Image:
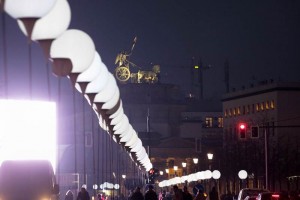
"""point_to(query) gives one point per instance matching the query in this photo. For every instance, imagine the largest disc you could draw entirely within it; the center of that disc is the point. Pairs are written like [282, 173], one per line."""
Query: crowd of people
[176, 194]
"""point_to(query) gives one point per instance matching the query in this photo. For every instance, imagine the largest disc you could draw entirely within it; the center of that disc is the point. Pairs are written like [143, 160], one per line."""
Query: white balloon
[117, 119]
[28, 8]
[108, 91]
[120, 109]
[92, 71]
[53, 24]
[99, 82]
[75, 45]
[122, 124]
[113, 101]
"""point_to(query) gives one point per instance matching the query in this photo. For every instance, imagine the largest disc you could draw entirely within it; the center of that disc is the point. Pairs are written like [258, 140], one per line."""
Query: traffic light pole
[266, 158]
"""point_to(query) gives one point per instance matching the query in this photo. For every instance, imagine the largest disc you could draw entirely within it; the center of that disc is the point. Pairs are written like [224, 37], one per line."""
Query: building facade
[269, 147]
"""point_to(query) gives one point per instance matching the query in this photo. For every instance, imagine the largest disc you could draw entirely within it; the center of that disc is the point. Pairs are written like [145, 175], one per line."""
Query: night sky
[260, 39]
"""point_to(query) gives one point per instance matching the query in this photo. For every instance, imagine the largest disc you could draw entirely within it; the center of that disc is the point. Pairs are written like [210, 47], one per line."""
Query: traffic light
[242, 130]
[254, 131]
[151, 176]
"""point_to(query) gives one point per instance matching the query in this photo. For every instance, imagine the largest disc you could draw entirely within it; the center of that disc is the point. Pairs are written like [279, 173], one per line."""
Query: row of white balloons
[202, 175]
[73, 54]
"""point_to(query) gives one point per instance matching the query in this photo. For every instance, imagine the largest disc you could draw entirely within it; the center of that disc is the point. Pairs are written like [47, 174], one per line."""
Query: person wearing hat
[83, 194]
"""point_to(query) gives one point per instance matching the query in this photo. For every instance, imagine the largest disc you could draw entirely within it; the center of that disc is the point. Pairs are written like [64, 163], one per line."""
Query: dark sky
[259, 38]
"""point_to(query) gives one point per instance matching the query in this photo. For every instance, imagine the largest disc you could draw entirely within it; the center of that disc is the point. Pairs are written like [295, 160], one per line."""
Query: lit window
[262, 106]
[229, 112]
[257, 107]
[239, 110]
[272, 104]
[248, 109]
[220, 122]
[267, 105]
[234, 112]
[208, 122]
[225, 113]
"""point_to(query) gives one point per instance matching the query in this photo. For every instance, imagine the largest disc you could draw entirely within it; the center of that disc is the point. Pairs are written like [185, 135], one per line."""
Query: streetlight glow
[195, 160]
[210, 156]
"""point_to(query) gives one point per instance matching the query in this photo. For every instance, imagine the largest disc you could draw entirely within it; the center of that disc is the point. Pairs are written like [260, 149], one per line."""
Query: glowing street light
[195, 160]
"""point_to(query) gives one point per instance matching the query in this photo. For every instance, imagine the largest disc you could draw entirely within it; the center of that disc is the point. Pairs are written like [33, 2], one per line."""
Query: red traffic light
[242, 126]
[242, 130]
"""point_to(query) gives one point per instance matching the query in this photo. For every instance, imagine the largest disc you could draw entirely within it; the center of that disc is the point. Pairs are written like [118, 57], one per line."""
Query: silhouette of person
[186, 194]
[83, 194]
[137, 195]
[151, 194]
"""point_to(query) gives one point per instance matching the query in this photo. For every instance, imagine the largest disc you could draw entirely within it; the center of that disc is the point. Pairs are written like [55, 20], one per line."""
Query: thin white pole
[266, 158]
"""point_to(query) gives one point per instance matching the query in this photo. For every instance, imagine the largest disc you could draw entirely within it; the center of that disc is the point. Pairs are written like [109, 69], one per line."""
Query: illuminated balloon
[108, 91]
[28, 8]
[99, 82]
[72, 52]
[53, 24]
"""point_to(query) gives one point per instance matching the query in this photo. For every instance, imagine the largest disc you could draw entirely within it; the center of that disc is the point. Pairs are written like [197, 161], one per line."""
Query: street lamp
[195, 160]
[183, 166]
[175, 169]
[123, 186]
[242, 175]
[209, 157]
[161, 173]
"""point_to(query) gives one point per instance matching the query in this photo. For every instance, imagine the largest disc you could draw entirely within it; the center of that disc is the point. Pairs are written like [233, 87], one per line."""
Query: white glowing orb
[27, 130]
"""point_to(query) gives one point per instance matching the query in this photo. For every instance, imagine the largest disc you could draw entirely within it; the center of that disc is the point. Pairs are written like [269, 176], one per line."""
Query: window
[238, 110]
[208, 122]
[220, 122]
[225, 113]
[261, 106]
[267, 105]
[248, 109]
[272, 104]
[257, 107]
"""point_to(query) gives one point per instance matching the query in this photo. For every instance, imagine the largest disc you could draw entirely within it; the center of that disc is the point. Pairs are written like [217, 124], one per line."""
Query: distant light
[210, 156]
[195, 160]
[216, 174]
[196, 67]
[27, 130]
[183, 164]
[161, 173]
[175, 168]
[242, 126]
[242, 174]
